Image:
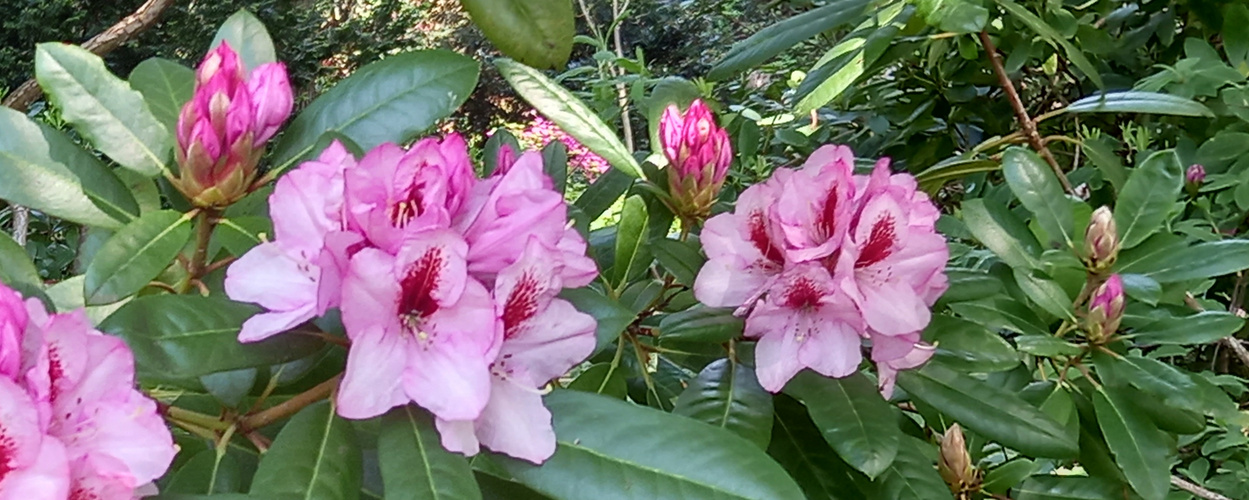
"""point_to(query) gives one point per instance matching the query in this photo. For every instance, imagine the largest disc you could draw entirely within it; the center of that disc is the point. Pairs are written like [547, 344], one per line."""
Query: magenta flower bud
[699, 152]
[1106, 309]
[1194, 178]
[223, 129]
[1101, 241]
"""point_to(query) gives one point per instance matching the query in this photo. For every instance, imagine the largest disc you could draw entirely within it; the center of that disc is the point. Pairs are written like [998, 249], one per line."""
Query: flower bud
[223, 129]
[954, 463]
[699, 153]
[1194, 178]
[1101, 241]
[1106, 309]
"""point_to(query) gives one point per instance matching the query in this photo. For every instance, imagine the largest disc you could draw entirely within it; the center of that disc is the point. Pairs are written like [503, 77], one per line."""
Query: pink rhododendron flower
[72, 424]
[699, 154]
[819, 259]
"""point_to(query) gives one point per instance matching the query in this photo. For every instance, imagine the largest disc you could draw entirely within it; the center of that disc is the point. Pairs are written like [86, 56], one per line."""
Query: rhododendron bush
[339, 302]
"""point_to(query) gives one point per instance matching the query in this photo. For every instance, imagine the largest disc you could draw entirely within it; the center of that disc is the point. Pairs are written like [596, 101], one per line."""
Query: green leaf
[555, 164]
[1101, 151]
[315, 455]
[603, 193]
[955, 16]
[227, 496]
[912, 476]
[572, 115]
[392, 100]
[1200, 261]
[1139, 102]
[612, 317]
[248, 37]
[970, 284]
[1034, 183]
[1002, 478]
[681, 259]
[414, 464]
[779, 37]
[166, 86]
[932, 178]
[726, 394]
[968, 346]
[207, 473]
[1003, 233]
[1201, 328]
[1142, 288]
[846, 62]
[102, 107]
[1147, 197]
[632, 254]
[538, 34]
[701, 324]
[1142, 451]
[799, 447]
[99, 182]
[16, 268]
[604, 443]
[853, 418]
[1054, 38]
[33, 177]
[1045, 292]
[240, 234]
[1046, 345]
[187, 336]
[990, 411]
[490, 152]
[135, 255]
[602, 378]
[1003, 313]
[1047, 487]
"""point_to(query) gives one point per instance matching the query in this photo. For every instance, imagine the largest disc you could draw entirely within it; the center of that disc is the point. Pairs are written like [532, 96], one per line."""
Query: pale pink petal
[443, 249]
[721, 284]
[516, 423]
[335, 263]
[776, 355]
[99, 477]
[832, 349]
[458, 436]
[271, 278]
[264, 325]
[370, 302]
[130, 432]
[306, 203]
[372, 383]
[552, 342]
[893, 308]
[13, 319]
[449, 379]
[579, 270]
[45, 477]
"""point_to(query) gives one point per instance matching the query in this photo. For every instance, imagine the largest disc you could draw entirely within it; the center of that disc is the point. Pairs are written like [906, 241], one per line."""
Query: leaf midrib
[316, 465]
[655, 471]
[134, 256]
[420, 444]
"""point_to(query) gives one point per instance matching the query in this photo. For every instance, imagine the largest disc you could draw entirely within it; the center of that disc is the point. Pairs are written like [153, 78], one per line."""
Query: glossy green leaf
[1034, 183]
[572, 115]
[1142, 288]
[633, 256]
[799, 447]
[1147, 197]
[392, 100]
[240, 234]
[1003, 313]
[912, 476]
[969, 346]
[538, 34]
[16, 268]
[853, 418]
[1045, 292]
[1140, 449]
[1055, 38]
[102, 107]
[186, 336]
[604, 443]
[727, 395]
[34, 178]
[315, 455]
[1002, 232]
[970, 284]
[99, 182]
[1200, 261]
[248, 37]
[206, 473]
[956, 16]
[612, 317]
[227, 496]
[682, 259]
[1139, 102]
[990, 411]
[414, 464]
[602, 378]
[166, 86]
[603, 193]
[490, 152]
[1201, 328]
[1047, 487]
[135, 255]
[701, 324]
[1046, 345]
[848, 60]
[555, 164]
[779, 37]
[1101, 152]
[1002, 478]
[932, 178]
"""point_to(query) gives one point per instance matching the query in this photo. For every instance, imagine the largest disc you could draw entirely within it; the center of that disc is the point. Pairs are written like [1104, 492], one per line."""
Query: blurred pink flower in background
[539, 132]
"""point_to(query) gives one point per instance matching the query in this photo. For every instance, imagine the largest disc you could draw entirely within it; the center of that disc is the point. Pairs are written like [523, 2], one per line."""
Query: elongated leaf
[849, 60]
[970, 284]
[135, 255]
[555, 164]
[969, 346]
[16, 269]
[727, 395]
[604, 443]
[414, 464]
[538, 34]
[1034, 183]
[1201, 328]
[1047, 487]
[604, 192]
[853, 418]
[99, 182]
[1147, 197]
[1045, 292]
[912, 475]
[1139, 102]
[937, 175]
[315, 455]
[1140, 448]
[1055, 38]
[633, 257]
[33, 178]
[166, 86]
[206, 473]
[612, 317]
[1003, 313]
[779, 37]
[701, 324]
[102, 107]
[572, 115]
[679, 258]
[391, 100]
[248, 37]
[1203, 260]
[1004, 234]
[799, 447]
[227, 496]
[990, 411]
[186, 336]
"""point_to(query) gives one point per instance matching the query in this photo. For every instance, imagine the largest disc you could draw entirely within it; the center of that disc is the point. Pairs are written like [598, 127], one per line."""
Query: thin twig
[621, 90]
[1195, 490]
[290, 406]
[1230, 341]
[1026, 123]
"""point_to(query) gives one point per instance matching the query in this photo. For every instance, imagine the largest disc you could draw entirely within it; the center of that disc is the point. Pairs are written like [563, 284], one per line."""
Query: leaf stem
[290, 406]
[205, 221]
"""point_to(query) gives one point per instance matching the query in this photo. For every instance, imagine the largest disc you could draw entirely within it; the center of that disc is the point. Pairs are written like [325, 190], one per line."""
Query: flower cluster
[447, 286]
[820, 258]
[223, 129]
[72, 425]
[699, 154]
[540, 131]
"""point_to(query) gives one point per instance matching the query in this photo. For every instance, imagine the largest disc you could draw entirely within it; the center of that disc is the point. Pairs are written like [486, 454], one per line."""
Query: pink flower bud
[1101, 241]
[222, 130]
[699, 152]
[1194, 178]
[1106, 309]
